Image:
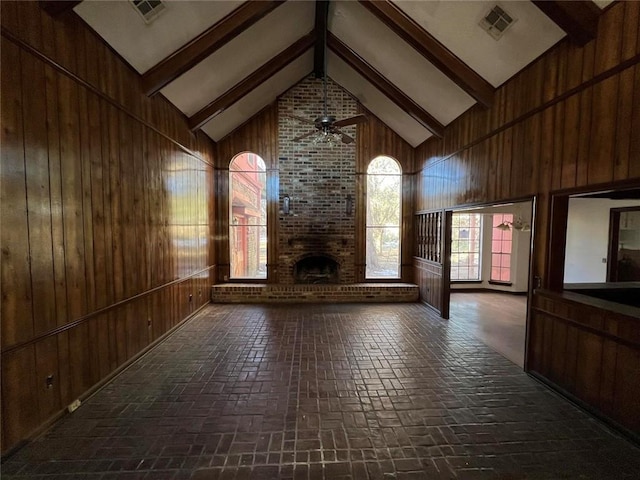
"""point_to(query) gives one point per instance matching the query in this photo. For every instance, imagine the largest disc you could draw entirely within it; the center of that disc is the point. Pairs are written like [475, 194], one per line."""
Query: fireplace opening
[316, 269]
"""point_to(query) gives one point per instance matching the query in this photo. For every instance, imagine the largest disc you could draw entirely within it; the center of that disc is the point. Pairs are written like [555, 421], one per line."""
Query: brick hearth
[358, 292]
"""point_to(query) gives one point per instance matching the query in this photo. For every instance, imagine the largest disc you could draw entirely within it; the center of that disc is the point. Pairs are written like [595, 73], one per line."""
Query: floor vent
[497, 22]
[149, 9]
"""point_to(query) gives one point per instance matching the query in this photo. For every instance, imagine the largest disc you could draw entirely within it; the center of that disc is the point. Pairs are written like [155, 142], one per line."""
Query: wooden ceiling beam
[431, 49]
[57, 7]
[189, 55]
[245, 86]
[321, 26]
[392, 92]
[578, 18]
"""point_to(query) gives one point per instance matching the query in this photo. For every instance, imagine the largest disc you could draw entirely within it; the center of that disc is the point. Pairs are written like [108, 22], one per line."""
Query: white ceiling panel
[144, 45]
[398, 62]
[259, 98]
[456, 25]
[603, 3]
[240, 57]
[376, 102]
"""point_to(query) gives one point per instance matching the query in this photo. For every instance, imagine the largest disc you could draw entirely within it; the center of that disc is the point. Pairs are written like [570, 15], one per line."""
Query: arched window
[248, 216]
[384, 194]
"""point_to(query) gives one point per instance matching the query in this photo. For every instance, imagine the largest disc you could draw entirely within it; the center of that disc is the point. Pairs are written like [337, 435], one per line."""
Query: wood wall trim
[242, 88]
[430, 48]
[394, 94]
[89, 316]
[587, 328]
[205, 44]
[631, 62]
[41, 56]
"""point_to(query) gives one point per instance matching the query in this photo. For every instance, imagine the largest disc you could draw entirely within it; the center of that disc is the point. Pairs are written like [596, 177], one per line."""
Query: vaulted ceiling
[416, 65]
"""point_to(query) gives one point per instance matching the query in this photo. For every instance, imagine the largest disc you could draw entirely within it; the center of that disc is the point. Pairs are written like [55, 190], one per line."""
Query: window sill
[502, 284]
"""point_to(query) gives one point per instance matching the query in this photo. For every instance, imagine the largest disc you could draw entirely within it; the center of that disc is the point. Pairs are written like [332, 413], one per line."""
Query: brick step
[352, 293]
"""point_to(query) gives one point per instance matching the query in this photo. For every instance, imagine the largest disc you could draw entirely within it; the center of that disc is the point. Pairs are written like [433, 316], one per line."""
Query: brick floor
[325, 391]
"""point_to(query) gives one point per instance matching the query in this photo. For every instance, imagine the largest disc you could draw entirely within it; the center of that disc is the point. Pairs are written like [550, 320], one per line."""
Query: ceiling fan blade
[295, 117]
[347, 139]
[360, 118]
[300, 137]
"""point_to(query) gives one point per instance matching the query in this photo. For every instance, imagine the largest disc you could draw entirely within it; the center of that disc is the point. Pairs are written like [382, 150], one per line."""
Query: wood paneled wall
[106, 202]
[593, 354]
[570, 119]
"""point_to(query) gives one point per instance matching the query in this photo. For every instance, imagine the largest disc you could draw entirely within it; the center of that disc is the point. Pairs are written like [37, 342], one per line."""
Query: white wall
[588, 238]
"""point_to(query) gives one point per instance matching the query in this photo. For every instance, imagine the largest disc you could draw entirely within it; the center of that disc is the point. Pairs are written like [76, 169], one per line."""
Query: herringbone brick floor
[385, 391]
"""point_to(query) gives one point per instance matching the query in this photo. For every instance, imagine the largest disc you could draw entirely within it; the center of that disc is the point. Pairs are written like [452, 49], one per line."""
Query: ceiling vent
[497, 21]
[149, 9]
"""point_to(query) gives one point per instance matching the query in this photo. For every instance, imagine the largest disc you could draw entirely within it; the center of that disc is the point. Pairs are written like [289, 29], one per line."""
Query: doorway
[490, 257]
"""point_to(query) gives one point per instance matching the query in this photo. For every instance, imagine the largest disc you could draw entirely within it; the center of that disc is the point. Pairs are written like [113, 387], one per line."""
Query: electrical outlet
[73, 406]
[226, 277]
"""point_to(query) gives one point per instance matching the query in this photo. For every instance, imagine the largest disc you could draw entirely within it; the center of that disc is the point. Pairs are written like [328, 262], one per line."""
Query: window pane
[383, 252]
[501, 248]
[248, 251]
[465, 246]
[247, 217]
[384, 194]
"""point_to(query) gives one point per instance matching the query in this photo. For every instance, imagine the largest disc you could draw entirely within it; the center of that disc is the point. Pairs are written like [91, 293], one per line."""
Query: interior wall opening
[489, 274]
[602, 246]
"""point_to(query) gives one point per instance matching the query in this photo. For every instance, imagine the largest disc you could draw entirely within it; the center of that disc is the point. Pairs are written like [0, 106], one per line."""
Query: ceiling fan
[327, 128]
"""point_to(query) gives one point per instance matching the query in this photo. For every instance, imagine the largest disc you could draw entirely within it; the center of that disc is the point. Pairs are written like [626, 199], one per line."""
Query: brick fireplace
[316, 238]
[317, 179]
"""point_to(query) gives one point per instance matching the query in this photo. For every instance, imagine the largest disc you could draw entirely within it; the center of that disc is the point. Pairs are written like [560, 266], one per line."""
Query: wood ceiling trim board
[245, 86]
[387, 88]
[322, 15]
[430, 48]
[189, 55]
[578, 18]
[55, 7]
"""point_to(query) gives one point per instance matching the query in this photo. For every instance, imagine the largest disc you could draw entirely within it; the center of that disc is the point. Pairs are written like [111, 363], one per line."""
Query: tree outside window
[384, 195]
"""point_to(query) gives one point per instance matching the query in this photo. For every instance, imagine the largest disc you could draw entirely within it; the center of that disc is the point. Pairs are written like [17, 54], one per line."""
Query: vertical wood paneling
[19, 394]
[591, 354]
[634, 149]
[627, 387]
[89, 191]
[623, 126]
[73, 219]
[589, 136]
[584, 137]
[603, 131]
[38, 194]
[16, 306]
[49, 400]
